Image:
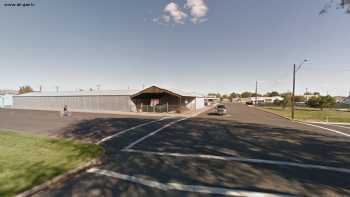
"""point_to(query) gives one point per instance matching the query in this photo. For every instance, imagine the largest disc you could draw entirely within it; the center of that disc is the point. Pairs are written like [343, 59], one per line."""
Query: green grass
[311, 114]
[26, 161]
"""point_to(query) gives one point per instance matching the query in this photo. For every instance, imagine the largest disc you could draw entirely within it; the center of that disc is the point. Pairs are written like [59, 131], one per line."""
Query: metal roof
[81, 93]
[189, 94]
[102, 93]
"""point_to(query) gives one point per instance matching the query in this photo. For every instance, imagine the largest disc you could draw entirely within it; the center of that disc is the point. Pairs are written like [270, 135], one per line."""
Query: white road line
[185, 188]
[328, 129]
[247, 160]
[129, 129]
[340, 126]
[153, 133]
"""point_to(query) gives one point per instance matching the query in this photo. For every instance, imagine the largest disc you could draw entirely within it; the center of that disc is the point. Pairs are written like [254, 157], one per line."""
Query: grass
[311, 114]
[26, 161]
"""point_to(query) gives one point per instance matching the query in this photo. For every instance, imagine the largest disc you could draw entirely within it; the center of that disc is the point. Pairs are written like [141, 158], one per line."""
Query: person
[65, 110]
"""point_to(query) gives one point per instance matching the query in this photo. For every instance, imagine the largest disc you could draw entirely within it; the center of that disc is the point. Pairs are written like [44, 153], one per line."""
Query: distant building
[152, 99]
[6, 100]
[308, 95]
[10, 92]
[339, 99]
[260, 99]
[210, 99]
[347, 100]
[264, 100]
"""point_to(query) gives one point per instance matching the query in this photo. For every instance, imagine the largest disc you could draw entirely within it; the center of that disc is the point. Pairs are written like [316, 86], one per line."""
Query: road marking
[182, 187]
[129, 129]
[153, 133]
[340, 126]
[325, 128]
[240, 159]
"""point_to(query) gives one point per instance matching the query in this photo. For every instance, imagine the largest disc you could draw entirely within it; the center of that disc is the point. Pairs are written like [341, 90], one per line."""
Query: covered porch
[155, 99]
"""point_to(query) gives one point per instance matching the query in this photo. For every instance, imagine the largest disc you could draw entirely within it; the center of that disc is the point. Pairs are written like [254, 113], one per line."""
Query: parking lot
[247, 152]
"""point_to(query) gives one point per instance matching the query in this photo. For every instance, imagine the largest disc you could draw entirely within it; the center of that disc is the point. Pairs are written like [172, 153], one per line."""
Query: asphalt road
[246, 150]
[89, 127]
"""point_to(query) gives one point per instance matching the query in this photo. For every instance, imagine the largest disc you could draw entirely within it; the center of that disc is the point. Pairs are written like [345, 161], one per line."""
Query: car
[221, 109]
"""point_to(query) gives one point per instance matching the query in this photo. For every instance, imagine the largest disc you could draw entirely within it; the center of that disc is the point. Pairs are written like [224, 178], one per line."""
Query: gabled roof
[158, 90]
[81, 93]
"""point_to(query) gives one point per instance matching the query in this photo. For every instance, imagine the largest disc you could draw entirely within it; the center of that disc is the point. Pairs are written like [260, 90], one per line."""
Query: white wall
[200, 103]
[76, 103]
[6, 100]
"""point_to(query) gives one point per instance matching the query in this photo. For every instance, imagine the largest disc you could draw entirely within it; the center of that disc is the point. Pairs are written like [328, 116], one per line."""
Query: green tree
[25, 89]
[273, 93]
[234, 95]
[299, 98]
[327, 102]
[246, 94]
[286, 101]
[313, 102]
[321, 102]
[254, 95]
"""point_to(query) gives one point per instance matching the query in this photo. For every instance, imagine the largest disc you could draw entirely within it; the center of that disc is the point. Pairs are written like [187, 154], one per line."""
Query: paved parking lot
[90, 127]
[245, 153]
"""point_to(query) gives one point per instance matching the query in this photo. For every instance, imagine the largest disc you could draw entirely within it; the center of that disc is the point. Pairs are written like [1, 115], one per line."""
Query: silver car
[221, 110]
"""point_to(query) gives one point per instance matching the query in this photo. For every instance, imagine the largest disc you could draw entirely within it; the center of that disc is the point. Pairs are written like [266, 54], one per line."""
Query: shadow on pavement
[227, 138]
[98, 128]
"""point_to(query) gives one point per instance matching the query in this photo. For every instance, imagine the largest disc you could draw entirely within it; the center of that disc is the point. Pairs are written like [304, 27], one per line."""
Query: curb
[306, 121]
[61, 178]
[329, 123]
[274, 114]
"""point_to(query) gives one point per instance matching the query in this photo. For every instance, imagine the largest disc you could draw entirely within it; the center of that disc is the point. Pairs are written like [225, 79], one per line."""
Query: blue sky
[209, 46]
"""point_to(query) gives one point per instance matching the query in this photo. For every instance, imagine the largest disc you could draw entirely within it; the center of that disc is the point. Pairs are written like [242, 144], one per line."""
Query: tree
[234, 95]
[25, 89]
[254, 95]
[246, 94]
[321, 102]
[288, 94]
[273, 93]
[299, 98]
[338, 4]
[313, 102]
[286, 101]
[327, 102]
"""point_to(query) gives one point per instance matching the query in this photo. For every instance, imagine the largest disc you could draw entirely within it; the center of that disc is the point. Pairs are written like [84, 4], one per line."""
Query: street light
[295, 70]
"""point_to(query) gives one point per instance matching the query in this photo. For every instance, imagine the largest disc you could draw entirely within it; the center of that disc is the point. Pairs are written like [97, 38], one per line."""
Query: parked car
[221, 110]
[249, 103]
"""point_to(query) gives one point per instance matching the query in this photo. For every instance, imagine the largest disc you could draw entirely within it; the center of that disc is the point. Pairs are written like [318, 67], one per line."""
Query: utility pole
[293, 94]
[256, 93]
[295, 70]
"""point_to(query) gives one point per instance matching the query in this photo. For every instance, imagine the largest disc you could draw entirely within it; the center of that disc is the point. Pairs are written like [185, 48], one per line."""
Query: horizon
[213, 47]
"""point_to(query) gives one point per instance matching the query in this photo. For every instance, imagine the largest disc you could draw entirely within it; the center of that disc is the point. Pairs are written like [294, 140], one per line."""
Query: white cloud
[175, 12]
[172, 12]
[198, 10]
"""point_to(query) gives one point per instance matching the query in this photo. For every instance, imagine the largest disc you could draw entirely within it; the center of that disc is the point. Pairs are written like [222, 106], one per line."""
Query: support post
[293, 93]
[256, 93]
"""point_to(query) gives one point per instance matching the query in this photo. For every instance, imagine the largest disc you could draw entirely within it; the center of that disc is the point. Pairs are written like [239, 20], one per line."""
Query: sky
[192, 45]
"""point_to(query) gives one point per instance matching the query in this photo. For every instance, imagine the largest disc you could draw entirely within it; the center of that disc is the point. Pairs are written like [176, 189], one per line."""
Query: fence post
[167, 107]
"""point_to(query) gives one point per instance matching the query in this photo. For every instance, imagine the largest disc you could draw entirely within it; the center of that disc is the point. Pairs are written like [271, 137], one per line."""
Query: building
[210, 100]
[266, 100]
[152, 99]
[339, 99]
[6, 100]
[163, 100]
[347, 100]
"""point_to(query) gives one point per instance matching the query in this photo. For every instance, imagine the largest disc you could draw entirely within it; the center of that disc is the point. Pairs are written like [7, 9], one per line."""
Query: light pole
[295, 70]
